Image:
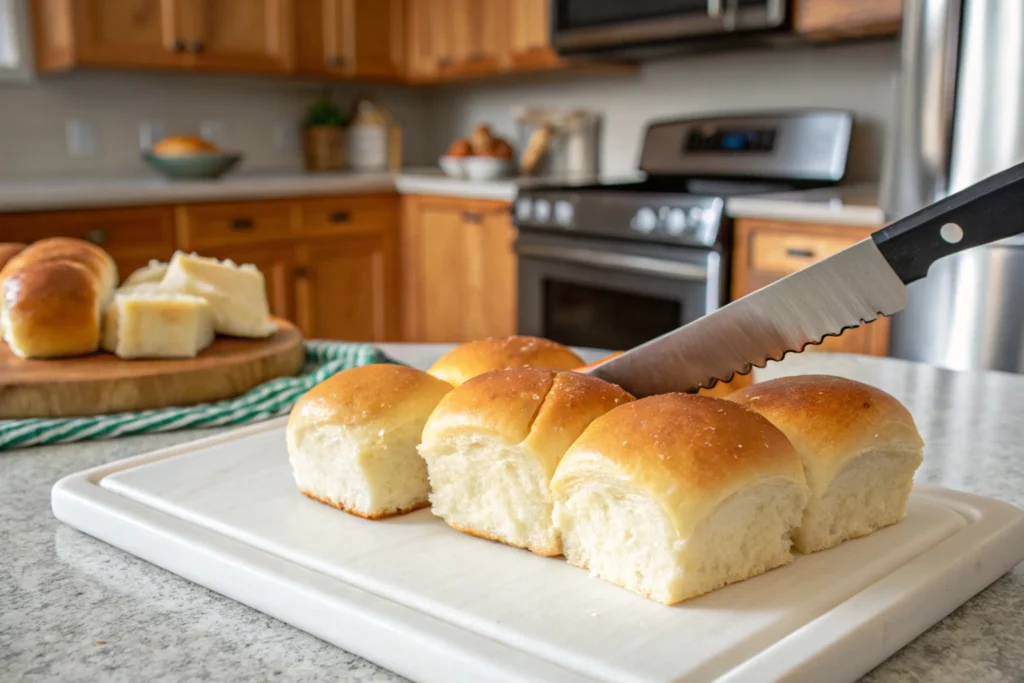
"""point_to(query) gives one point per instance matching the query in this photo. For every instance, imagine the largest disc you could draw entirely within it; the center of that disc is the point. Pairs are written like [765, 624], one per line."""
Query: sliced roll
[493, 443]
[674, 496]
[475, 358]
[352, 439]
[859, 447]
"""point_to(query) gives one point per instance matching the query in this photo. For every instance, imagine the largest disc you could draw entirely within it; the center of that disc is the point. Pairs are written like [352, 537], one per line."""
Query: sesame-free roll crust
[676, 495]
[859, 447]
[475, 358]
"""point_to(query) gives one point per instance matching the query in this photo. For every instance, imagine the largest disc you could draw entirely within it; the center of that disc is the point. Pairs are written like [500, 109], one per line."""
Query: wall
[33, 119]
[859, 77]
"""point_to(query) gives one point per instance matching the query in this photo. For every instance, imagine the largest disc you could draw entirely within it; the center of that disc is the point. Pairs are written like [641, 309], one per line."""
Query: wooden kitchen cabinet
[766, 251]
[530, 34]
[132, 236]
[454, 39]
[351, 38]
[223, 35]
[837, 19]
[459, 269]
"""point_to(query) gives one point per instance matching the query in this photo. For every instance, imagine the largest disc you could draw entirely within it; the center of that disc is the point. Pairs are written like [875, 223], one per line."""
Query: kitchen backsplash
[259, 117]
[859, 77]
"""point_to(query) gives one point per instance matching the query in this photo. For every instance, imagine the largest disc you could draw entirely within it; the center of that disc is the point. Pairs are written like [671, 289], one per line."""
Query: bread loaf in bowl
[180, 145]
[478, 357]
[492, 444]
[352, 439]
[53, 295]
[676, 495]
[859, 447]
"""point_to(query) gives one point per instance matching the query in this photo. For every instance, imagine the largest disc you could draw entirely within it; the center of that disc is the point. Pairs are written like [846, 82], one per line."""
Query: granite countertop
[844, 205]
[76, 609]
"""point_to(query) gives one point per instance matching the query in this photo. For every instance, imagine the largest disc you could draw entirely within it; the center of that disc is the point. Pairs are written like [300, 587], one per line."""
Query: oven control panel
[669, 218]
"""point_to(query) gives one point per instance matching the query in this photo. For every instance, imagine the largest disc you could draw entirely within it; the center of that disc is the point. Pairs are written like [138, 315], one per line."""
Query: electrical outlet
[214, 131]
[286, 136]
[150, 133]
[81, 138]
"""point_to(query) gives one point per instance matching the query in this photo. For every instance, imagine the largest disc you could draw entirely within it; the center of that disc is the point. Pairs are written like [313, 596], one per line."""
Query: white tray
[436, 605]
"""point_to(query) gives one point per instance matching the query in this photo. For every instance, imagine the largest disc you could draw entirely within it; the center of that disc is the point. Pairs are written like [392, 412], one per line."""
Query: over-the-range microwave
[636, 27]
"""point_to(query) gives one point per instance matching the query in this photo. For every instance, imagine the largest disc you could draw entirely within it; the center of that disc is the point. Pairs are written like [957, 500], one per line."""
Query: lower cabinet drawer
[782, 252]
[211, 225]
[321, 216]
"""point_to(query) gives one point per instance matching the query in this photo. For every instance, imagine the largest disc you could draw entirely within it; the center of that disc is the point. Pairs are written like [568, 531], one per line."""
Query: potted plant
[323, 135]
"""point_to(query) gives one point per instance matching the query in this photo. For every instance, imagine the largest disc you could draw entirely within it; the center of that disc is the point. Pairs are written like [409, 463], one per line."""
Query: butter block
[143, 322]
[237, 294]
[152, 273]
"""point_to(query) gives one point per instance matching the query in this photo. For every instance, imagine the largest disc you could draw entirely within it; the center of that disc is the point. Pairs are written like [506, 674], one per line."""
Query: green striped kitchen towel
[267, 400]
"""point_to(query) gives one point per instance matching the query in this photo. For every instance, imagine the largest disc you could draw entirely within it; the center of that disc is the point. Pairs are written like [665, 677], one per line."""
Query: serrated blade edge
[850, 287]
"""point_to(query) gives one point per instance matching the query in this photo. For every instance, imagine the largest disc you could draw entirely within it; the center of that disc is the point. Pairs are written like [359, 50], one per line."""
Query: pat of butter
[145, 323]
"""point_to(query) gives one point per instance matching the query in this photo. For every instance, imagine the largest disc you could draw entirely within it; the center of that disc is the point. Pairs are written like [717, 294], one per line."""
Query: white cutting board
[435, 605]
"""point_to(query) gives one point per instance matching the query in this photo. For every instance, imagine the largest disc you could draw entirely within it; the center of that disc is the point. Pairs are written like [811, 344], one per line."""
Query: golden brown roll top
[689, 452]
[859, 447]
[54, 293]
[478, 357]
[492, 444]
[9, 250]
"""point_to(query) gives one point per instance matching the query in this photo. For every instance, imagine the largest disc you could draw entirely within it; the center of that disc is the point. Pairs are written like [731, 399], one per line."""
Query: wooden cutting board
[102, 383]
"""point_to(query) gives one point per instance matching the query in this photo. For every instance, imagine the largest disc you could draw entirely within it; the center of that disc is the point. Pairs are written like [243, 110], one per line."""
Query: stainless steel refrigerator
[960, 118]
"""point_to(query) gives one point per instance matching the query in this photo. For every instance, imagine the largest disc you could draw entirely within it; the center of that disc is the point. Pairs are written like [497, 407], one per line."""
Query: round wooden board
[102, 383]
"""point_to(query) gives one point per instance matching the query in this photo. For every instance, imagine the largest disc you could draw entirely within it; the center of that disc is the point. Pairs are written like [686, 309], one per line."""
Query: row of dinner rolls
[670, 496]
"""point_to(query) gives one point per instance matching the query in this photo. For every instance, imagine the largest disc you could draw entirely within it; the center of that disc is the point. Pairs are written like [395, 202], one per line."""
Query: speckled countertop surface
[75, 609]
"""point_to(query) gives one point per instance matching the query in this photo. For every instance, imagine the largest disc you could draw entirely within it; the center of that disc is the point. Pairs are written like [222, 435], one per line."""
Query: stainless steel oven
[612, 294]
[583, 26]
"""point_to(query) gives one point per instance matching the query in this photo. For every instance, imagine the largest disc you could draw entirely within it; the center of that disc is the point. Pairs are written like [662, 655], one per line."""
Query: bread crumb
[99, 642]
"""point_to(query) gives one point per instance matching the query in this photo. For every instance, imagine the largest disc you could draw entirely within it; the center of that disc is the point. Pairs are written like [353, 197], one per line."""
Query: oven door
[610, 294]
[580, 26]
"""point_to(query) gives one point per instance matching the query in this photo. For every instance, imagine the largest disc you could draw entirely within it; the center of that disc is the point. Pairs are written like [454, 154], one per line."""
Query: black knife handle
[985, 212]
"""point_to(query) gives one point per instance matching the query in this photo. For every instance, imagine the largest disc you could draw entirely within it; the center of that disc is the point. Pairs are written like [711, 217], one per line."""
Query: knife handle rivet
[951, 232]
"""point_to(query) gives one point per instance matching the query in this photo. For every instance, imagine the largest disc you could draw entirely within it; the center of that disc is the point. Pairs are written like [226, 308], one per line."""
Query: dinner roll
[859, 447]
[475, 358]
[493, 443]
[352, 439]
[676, 495]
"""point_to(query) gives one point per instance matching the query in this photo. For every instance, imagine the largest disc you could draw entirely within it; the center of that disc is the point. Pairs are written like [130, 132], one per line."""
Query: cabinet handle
[444, 61]
[340, 217]
[97, 236]
[198, 47]
[178, 45]
[472, 217]
[800, 253]
[477, 56]
[242, 224]
[335, 60]
[301, 272]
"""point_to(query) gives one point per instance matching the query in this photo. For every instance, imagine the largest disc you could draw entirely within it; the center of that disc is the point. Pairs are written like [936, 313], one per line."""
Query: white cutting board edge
[842, 644]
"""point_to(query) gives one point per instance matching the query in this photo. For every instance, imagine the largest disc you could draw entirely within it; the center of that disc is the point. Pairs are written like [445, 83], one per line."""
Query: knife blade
[845, 290]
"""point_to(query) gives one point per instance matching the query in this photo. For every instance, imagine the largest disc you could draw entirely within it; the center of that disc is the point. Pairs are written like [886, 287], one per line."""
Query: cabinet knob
[178, 45]
[335, 60]
[97, 236]
[444, 61]
[242, 224]
[340, 217]
[301, 272]
[198, 47]
[477, 56]
[472, 217]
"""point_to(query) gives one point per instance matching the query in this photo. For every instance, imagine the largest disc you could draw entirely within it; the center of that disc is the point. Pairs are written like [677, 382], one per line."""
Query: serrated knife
[851, 287]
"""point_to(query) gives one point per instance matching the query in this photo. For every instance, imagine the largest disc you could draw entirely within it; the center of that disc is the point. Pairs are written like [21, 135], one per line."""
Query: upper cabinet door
[364, 37]
[426, 37]
[241, 35]
[530, 33]
[479, 36]
[145, 33]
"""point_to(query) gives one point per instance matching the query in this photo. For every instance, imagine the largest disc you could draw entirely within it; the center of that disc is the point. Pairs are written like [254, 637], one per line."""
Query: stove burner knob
[563, 212]
[675, 223]
[542, 210]
[696, 218]
[523, 209]
[644, 221]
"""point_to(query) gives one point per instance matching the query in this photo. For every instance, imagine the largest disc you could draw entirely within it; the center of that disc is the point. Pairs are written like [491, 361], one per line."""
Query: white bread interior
[237, 294]
[493, 443]
[674, 496]
[146, 322]
[352, 439]
[859, 447]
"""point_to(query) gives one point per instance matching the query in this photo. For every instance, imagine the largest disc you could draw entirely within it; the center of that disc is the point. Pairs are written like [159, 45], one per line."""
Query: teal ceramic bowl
[199, 166]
